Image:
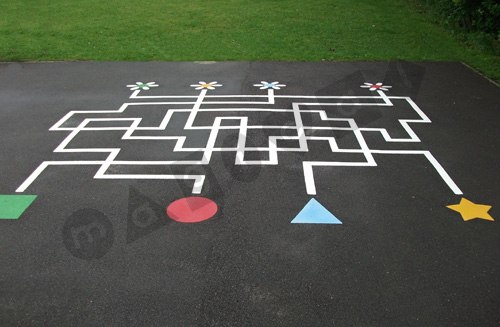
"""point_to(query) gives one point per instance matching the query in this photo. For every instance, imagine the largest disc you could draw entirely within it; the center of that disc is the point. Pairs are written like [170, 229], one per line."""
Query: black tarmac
[103, 252]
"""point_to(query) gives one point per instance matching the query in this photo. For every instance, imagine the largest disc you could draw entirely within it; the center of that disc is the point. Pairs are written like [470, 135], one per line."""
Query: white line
[309, 175]
[197, 186]
[270, 93]
[134, 96]
[34, 175]
[440, 170]
[242, 136]
[196, 107]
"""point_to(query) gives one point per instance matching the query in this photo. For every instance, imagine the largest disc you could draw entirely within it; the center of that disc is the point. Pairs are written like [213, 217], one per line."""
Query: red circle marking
[193, 209]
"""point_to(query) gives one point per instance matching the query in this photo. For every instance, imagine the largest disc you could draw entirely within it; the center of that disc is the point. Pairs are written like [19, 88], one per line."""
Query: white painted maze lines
[325, 105]
[205, 115]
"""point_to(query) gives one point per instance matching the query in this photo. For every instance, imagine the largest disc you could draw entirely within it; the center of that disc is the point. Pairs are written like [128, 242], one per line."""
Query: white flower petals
[142, 86]
[203, 85]
[376, 87]
[266, 85]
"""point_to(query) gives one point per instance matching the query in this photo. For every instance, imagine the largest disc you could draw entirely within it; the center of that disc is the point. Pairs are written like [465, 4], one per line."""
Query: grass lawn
[310, 30]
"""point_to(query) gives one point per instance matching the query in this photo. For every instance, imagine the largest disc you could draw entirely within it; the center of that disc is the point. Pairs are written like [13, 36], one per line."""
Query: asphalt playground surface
[88, 241]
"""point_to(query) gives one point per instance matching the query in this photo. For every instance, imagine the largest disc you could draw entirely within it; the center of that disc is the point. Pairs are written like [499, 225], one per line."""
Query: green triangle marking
[13, 206]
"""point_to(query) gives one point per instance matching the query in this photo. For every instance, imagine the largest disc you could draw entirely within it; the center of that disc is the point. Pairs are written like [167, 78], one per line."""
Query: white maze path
[195, 106]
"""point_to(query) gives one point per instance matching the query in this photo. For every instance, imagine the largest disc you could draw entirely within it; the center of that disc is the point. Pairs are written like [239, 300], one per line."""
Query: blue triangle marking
[315, 213]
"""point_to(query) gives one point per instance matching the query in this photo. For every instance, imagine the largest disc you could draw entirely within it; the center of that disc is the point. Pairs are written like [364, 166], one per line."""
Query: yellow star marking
[470, 210]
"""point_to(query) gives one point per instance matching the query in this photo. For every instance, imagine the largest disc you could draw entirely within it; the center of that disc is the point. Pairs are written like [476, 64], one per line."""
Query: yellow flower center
[205, 85]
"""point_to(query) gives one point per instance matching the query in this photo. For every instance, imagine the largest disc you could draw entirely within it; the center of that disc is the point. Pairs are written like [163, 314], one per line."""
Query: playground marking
[315, 213]
[193, 209]
[205, 86]
[13, 206]
[300, 106]
[142, 86]
[470, 210]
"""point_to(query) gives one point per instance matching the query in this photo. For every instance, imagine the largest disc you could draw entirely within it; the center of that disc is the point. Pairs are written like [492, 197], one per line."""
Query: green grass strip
[180, 30]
